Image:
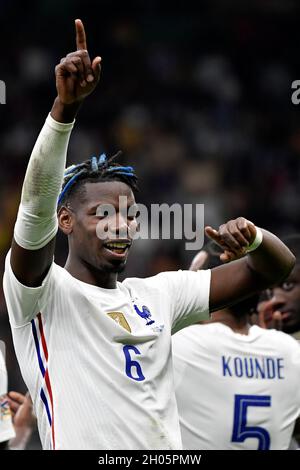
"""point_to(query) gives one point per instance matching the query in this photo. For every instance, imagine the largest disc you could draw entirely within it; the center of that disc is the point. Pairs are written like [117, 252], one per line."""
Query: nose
[119, 225]
[278, 299]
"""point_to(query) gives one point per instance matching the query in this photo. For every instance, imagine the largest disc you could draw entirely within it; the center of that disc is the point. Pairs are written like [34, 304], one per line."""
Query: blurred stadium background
[197, 95]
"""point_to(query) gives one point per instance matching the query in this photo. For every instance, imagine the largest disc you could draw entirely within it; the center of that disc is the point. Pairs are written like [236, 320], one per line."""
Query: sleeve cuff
[59, 126]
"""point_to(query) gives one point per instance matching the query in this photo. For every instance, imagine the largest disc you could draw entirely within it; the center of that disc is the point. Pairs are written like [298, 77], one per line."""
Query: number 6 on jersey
[130, 364]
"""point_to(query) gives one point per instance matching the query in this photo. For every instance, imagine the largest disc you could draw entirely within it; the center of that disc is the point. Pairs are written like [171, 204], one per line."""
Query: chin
[290, 328]
[118, 269]
[113, 267]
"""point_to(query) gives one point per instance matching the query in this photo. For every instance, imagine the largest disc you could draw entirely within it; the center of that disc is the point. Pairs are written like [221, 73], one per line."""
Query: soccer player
[285, 297]
[282, 310]
[96, 353]
[246, 380]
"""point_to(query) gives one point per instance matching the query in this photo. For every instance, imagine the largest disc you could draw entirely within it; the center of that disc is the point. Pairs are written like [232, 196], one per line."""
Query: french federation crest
[119, 318]
[145, 314]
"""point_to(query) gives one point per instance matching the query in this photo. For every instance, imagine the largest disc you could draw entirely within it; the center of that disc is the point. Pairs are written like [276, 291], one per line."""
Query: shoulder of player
[197, 340]
[166, 278]
[156, 281]
[200, 330]
[165, 284]
[59, 273]
[280, 338]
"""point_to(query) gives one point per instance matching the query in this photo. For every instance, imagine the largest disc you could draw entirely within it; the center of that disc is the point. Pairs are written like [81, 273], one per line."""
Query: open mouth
[117, 247]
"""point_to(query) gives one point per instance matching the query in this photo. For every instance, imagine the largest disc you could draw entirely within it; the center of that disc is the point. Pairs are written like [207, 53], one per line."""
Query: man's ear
[65, 220]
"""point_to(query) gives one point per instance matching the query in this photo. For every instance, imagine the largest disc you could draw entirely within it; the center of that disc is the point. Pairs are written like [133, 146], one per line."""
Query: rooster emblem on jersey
[145, 314]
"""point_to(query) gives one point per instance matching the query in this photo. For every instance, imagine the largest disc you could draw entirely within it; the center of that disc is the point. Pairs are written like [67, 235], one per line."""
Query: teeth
[117, 245]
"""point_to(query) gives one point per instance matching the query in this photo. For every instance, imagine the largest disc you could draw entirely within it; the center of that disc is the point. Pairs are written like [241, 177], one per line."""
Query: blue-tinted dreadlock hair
[95, 169]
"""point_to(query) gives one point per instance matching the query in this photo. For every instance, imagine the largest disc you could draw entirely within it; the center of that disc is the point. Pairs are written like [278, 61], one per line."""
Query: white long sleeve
[36, 222]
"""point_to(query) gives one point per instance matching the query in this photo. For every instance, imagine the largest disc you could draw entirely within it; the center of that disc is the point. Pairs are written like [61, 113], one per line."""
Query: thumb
[96, 67]
[227, 256]
[252, 230]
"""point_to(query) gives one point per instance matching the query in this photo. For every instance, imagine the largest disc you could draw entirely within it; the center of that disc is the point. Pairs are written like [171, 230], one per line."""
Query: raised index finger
[80, 36]
[213, 234]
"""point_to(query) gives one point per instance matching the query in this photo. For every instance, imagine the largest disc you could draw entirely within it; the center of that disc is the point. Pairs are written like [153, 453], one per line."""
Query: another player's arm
[269, 264]
[24, 420]
[34, 239]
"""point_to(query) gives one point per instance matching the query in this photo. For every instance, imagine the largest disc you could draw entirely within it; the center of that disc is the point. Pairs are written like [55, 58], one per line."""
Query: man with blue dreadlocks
[95, 353]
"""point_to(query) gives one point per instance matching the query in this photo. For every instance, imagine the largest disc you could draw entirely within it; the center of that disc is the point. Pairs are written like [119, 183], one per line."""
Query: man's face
[91, 225]
[286, 299]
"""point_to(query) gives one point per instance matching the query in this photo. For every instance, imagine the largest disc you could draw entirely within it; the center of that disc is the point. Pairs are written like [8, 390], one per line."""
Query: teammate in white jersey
[96, 353]
[246, 380]
[282, 310]
[284, 299]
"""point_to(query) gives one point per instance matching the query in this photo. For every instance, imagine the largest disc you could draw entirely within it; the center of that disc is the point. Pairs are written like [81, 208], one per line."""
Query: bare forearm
[65, 113]
[272, 260]
[269, 262]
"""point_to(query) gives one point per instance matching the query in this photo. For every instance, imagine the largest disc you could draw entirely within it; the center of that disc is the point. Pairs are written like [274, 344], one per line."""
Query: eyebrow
[95, 206]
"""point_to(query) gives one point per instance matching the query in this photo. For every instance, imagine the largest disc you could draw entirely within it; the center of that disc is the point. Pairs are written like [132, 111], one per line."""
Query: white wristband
[256, 242]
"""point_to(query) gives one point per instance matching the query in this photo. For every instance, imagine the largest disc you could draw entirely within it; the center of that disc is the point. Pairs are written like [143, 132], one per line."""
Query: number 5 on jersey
[241, 431]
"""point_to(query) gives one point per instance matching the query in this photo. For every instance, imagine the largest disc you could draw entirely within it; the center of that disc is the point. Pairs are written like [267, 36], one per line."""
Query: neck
[85, 273]
[237, 324]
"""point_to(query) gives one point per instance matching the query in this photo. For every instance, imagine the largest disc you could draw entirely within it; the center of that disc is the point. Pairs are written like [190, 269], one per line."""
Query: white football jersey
[97, 362]
[236, 391]
[7, 431]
